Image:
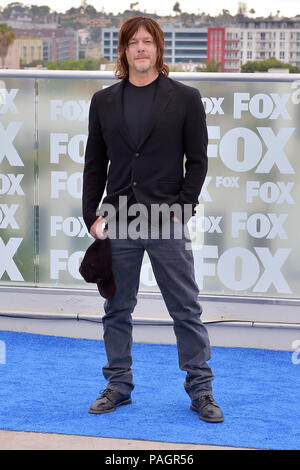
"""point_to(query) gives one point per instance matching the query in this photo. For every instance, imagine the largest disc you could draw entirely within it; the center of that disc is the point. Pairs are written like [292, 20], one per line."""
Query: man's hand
[175, 218]
[96, 229]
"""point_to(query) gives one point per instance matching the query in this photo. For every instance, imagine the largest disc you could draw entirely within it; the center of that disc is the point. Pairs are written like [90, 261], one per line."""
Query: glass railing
[245, 235]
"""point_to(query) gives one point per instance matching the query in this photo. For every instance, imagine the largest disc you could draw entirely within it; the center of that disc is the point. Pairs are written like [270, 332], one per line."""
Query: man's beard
[142, 68]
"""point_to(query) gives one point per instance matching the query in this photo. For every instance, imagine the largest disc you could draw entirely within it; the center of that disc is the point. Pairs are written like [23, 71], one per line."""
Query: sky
[165, 7]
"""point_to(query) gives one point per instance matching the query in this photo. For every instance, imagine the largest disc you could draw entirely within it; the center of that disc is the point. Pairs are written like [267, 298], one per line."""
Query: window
[282, 55]
[250, 35]
[249, 55]
[191, 36]
[282, 36]
[189, 43]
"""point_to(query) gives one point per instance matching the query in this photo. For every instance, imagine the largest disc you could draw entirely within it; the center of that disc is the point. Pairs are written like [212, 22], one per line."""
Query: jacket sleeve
[95, 168]
[195, 141]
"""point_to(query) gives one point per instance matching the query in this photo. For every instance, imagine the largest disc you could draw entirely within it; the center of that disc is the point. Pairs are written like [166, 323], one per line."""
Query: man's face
[141, 52]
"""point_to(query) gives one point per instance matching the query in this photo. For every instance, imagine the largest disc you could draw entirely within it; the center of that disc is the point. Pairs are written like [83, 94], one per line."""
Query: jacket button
[137, 154]
[134, 183]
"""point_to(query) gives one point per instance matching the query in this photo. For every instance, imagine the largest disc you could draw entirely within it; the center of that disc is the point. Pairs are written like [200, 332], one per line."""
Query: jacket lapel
[117, 115]
[162, 98]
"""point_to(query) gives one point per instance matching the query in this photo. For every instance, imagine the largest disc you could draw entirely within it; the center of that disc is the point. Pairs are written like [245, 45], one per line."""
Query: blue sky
[262, 8]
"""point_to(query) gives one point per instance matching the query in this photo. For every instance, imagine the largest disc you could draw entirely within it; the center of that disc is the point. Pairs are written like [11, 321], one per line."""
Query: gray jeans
[173, 267]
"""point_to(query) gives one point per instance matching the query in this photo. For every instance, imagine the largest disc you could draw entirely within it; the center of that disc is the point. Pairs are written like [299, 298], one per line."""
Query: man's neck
[142, 79]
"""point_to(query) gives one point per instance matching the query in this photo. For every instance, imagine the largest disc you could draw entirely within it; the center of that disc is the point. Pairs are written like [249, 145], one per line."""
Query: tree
[90, 11]
[39, 11]
[265, 65]
[7, 37]
[14, 7]
[177, 8]
[211, 66]
[72, 11]
[74, 64]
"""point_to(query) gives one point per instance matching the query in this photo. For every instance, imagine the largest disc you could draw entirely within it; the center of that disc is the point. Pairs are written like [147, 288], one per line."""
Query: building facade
[56, 44]
[183, 46]
[264, 38]
[30, 48]
[231, 46]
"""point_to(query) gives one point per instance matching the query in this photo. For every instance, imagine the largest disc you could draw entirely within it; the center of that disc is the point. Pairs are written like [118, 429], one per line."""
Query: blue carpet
[48, 383]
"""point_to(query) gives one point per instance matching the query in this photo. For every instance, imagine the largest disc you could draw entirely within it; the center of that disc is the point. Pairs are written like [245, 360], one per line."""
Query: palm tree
[213, 66]
[177, 8]
[7, 37]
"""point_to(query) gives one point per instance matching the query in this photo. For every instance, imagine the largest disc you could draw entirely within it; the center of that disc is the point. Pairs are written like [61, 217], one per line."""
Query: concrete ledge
[231, 321]
[276, 336]
[150, 305]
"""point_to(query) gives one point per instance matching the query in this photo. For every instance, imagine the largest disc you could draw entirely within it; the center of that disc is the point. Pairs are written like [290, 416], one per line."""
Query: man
[142, 127]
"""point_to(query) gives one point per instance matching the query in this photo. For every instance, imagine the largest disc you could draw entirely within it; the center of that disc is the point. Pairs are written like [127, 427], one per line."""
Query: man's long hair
[128, 29]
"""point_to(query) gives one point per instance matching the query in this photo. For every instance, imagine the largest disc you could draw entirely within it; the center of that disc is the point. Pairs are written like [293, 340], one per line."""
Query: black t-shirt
[137, 106]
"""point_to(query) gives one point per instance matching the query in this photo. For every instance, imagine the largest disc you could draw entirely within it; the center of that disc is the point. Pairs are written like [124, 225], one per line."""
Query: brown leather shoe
[208, 409]
[108, 401]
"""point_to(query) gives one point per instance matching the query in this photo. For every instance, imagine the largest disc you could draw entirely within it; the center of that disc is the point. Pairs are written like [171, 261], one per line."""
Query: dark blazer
[154, 170]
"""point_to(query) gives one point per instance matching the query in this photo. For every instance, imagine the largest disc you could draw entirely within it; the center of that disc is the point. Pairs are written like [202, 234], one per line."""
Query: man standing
[141, 128]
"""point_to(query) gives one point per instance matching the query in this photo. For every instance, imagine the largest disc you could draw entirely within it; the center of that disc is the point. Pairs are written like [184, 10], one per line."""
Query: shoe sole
[125, 402]
[216, 420]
